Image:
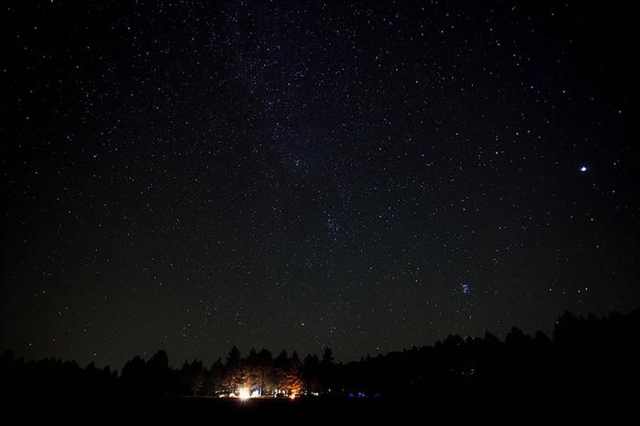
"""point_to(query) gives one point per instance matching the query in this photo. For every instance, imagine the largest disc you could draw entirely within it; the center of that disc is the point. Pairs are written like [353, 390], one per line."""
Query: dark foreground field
[516, 408]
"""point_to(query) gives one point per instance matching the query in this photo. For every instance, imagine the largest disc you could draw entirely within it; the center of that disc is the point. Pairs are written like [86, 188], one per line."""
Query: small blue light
[466, 288]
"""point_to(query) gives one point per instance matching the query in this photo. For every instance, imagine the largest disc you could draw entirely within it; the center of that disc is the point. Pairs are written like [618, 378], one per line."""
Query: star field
[368, 176]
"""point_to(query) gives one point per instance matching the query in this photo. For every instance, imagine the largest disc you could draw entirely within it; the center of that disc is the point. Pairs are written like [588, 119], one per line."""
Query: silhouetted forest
[583, 354]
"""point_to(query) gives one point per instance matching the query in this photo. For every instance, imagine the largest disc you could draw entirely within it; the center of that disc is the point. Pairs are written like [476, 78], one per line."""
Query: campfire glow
[244, 394]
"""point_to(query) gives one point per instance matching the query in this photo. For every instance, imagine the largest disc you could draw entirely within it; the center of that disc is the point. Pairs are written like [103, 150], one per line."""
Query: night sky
[368, 176]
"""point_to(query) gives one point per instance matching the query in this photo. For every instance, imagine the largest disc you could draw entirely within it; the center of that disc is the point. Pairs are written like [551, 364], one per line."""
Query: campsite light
[244, 394]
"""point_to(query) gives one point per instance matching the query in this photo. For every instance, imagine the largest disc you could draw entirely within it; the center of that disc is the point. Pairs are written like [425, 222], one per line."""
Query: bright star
[583, 169]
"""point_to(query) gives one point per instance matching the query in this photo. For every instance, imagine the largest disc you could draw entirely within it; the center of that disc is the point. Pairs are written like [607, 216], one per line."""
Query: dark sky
[190, 175]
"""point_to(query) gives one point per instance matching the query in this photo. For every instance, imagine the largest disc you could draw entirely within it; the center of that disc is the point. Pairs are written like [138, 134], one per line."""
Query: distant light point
[466, 288]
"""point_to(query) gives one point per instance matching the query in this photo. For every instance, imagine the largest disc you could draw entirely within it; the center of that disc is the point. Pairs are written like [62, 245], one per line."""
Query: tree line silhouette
[584, 354]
